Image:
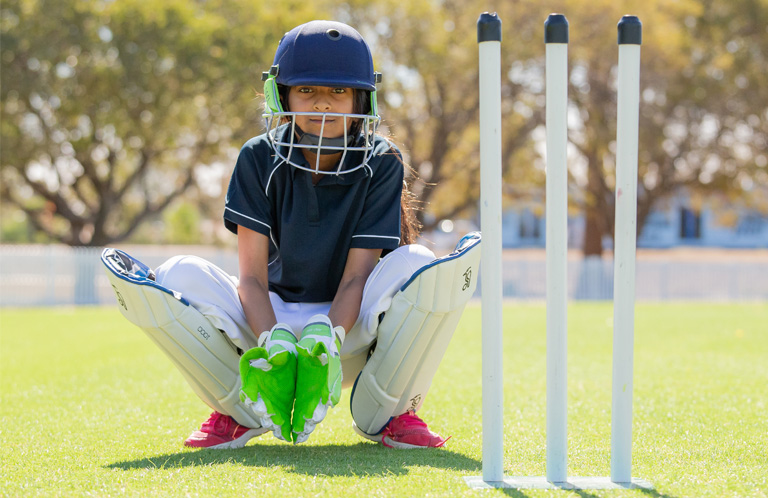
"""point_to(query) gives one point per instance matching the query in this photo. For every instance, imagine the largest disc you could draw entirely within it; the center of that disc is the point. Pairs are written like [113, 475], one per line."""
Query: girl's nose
[321, 104]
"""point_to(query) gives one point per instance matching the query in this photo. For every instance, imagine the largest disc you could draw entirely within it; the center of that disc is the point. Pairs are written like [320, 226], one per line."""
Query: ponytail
[410, 226]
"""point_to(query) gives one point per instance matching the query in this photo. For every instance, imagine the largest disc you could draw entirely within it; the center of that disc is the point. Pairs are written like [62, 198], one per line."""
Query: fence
[39, 275]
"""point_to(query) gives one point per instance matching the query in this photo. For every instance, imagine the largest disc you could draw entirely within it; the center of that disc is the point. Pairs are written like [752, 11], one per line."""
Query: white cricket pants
[214, 293]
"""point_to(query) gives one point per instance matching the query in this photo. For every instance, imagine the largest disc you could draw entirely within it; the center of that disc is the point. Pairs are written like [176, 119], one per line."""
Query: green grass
[91, 407]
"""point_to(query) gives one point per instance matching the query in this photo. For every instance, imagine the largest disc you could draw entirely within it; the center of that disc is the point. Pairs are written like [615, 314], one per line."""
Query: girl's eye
[305, 89]
[339, 90]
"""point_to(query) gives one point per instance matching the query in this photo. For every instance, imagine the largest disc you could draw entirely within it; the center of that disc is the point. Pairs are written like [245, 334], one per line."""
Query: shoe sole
[377, 438]
[235, 443]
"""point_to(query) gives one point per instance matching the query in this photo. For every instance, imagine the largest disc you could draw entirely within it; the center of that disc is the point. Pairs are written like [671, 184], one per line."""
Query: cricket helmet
[330, 54]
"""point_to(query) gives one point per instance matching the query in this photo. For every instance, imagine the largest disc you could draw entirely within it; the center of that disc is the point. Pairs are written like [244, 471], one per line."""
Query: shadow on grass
[359, 460]
[514, 492]
[652, 493]
[584, 494]
[519, 493]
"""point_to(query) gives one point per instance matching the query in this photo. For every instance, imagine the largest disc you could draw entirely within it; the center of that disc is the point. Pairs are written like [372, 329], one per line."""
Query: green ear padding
[271, 95]
[374, 104]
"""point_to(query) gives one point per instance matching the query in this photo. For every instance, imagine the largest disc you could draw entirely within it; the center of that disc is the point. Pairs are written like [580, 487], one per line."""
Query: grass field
[91, 408]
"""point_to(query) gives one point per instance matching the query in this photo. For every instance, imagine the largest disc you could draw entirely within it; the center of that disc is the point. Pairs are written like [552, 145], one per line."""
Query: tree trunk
[593, 232]
[595, 206]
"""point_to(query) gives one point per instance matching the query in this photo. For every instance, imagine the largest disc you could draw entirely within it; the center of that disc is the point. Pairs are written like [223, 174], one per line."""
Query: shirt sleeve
[247, 203]
[379, 224]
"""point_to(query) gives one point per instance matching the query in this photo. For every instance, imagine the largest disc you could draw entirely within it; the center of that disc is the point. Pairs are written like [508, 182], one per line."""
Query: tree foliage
[428, 53]
[702, 111]
[109, 107]
[703, 108]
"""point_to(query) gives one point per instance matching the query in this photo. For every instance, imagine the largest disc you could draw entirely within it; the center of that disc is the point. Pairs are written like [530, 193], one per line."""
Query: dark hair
[410, 226]
[282, 92]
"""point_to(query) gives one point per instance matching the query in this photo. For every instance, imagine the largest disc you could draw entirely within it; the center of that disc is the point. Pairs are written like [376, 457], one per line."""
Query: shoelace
[410, 418]
[384, 435]
[217, 424]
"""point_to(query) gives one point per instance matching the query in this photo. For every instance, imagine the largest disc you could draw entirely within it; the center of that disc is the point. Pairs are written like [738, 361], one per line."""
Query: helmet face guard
[286, 136]
[330, 54]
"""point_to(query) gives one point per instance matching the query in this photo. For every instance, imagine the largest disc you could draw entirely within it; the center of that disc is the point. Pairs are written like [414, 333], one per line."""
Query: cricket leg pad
[413, 337]
[203, 354]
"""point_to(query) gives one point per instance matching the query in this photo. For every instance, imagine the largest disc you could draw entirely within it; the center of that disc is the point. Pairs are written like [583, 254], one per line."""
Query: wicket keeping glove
[318, 378]
[268, 372]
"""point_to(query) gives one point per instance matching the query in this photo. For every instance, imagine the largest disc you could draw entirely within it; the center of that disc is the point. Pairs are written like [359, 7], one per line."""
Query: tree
[700, 125]
[428, 54]
[703, 106]
[183, 224]
[108, 107]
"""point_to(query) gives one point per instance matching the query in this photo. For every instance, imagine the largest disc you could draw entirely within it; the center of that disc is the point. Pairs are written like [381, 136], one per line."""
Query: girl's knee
[413, 255]
[181, 272]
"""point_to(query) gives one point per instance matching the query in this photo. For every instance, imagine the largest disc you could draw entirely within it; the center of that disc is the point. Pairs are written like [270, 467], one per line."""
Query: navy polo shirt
[312, 227]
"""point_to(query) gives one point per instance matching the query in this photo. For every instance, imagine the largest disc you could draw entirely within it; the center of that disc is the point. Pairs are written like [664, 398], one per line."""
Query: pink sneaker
[222, 432]
[406, 431]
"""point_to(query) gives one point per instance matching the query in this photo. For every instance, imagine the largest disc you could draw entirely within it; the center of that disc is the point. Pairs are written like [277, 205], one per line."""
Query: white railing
[44, 275]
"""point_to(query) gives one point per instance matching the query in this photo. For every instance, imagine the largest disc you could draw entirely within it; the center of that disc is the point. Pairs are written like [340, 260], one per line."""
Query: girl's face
[321, 99]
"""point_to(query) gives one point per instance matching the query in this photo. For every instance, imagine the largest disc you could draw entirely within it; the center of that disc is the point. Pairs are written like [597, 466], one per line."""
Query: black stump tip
[556, 29]
[630, 31]
[488, 27]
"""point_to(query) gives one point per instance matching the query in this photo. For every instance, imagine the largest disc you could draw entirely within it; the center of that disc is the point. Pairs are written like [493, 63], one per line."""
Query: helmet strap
[314, 140]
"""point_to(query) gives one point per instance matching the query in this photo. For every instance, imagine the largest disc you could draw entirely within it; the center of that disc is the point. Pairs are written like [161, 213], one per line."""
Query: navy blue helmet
[330, 54]
[325, 53]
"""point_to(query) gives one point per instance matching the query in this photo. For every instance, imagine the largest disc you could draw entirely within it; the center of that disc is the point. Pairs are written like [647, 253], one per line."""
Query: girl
[324, 236]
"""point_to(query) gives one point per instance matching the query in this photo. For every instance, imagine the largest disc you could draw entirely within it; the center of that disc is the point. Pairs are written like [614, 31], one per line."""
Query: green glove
[268, 373]
[318, 377]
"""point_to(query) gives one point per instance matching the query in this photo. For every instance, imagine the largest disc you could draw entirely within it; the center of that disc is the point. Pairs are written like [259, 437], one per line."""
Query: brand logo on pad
[203, 333]
[120, 298]
[415, 401]
[467, 278]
